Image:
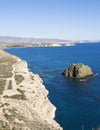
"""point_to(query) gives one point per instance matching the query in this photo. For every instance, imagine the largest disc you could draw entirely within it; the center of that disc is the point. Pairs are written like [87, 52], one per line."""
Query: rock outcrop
[24, 104]
[78, 71]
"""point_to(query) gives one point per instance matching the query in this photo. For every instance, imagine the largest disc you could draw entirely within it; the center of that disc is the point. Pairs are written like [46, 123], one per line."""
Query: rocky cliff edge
[24, 104]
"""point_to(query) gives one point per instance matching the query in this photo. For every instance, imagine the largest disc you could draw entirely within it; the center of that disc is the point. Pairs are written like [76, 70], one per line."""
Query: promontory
[24, 103]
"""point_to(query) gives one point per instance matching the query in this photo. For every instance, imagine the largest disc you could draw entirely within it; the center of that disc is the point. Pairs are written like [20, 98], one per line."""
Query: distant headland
[8, 42]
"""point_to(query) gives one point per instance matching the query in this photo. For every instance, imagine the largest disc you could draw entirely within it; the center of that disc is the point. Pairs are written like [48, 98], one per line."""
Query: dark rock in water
[78, 71]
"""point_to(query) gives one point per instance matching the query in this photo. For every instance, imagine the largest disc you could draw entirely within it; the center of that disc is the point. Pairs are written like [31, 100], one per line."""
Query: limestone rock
[24, 103]
[78, 71]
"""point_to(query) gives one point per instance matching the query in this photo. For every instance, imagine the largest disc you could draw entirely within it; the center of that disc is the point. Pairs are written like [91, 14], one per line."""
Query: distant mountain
[9, 39]
[29, 40]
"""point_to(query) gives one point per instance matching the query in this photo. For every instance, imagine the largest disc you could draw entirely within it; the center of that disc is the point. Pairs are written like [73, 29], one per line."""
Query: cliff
[24, 103]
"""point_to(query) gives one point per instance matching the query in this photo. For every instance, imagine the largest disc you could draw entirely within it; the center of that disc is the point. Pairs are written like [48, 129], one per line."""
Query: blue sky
[62, 19]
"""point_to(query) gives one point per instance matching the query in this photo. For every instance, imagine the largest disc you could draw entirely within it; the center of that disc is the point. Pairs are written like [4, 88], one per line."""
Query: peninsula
[40, 44]
[24, 102]
[7, 41]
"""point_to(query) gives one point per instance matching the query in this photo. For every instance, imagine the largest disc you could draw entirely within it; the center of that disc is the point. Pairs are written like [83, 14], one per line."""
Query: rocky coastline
[24, 103]
[20, 45]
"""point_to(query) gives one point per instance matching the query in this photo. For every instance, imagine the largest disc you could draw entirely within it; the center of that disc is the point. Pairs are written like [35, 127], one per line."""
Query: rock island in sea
[24, 103]
[78, 71]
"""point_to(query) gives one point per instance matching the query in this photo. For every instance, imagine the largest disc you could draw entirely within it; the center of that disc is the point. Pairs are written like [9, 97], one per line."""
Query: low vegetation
[16, 96]
[4, 125]
[9, 60]
[10, 84]
[19, 79]
[21, 86]
[2, 86]
[5, 71]
[20, 96]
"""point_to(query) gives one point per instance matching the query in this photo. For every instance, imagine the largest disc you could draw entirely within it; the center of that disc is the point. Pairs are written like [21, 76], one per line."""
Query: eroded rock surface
[78, 71]
[24, 104]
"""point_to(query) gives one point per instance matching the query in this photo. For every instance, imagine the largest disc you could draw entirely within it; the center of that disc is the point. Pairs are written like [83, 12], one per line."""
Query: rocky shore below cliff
[24, 103]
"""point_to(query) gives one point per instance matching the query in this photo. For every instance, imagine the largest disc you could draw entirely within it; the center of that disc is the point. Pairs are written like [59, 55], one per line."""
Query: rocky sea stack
[78, 71]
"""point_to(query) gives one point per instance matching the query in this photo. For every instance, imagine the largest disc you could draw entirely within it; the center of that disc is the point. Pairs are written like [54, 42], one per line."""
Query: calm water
[78, 103]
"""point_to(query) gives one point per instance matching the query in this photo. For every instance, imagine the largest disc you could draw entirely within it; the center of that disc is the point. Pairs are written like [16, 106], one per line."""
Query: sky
[61, 19]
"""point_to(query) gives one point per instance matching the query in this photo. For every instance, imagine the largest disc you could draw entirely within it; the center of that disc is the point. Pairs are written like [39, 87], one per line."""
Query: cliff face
[24, 103]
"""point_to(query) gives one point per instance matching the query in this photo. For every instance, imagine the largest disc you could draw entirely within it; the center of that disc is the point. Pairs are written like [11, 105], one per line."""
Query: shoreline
[24, 45]
[26, 95]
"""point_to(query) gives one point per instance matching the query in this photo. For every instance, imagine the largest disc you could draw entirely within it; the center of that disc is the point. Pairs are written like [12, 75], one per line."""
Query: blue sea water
[78, 103]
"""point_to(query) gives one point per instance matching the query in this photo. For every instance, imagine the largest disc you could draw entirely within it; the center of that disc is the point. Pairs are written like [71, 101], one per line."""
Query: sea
[77, 102]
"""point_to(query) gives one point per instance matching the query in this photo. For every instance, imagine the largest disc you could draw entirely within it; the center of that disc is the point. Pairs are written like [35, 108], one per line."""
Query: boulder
[78, 71]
